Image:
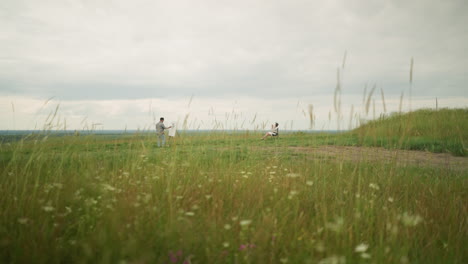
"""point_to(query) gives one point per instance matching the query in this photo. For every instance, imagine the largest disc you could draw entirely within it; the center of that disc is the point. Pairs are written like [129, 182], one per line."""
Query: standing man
[160, 127]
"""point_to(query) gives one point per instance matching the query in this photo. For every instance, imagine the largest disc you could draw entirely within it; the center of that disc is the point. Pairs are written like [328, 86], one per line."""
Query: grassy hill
[444, 130]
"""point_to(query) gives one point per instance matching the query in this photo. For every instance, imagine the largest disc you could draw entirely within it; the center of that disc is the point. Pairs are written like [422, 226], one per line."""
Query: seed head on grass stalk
[364, 94]
[311, 116]
[410, 81]
[351, 113]
[401, 102]
[369, 97]
[344, 59]
[254, 118]
[383, 100]
[373, 109]
[337, 93]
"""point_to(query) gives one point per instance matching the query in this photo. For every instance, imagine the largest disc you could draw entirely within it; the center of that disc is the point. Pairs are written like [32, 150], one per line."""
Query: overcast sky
[121, 63]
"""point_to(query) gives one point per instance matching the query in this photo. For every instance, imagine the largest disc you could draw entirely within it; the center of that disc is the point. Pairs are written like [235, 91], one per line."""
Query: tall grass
[228, 198]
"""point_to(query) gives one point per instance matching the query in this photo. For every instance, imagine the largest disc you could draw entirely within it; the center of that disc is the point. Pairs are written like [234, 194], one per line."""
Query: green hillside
[444, 130]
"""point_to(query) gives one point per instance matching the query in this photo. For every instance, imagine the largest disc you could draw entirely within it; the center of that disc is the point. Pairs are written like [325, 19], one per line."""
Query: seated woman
[273, 132]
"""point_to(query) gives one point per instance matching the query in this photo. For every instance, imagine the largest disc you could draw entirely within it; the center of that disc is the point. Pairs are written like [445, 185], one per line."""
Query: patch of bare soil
[397, 156]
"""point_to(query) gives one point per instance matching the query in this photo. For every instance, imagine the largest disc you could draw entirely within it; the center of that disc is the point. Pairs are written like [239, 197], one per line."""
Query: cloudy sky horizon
[121, 63]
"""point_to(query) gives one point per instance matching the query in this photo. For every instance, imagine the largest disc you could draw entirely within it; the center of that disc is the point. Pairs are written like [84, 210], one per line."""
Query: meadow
[232, 198]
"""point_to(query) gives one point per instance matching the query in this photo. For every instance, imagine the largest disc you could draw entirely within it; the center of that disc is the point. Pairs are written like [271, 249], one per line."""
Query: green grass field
[232, 198]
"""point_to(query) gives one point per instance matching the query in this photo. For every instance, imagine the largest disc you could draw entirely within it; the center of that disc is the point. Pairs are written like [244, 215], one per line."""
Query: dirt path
[400, 157]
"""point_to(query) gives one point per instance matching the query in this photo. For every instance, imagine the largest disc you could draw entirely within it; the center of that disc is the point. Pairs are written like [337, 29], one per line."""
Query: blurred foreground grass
[231, 198]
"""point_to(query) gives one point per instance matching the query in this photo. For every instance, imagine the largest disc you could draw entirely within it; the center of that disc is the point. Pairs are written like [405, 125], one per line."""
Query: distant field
[392, 191]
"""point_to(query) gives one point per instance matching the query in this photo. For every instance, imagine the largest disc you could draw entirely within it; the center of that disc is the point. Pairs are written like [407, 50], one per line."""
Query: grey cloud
[120, 49]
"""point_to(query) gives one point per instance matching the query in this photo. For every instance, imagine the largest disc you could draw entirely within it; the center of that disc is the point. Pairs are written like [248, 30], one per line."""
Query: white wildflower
[23, 220]
[320, 230]
[320, 247]
[48, 208]
[404, 260]
[393, 229]
[245, 223]
[335, 226]
[146, 198]
[361, 248]
[292, 194]
[107, 187]
[374, 186]
[387, 250]
[410, 220]
[90, 202]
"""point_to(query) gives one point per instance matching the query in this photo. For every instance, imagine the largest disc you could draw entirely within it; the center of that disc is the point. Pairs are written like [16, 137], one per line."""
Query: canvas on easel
[172, 130]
